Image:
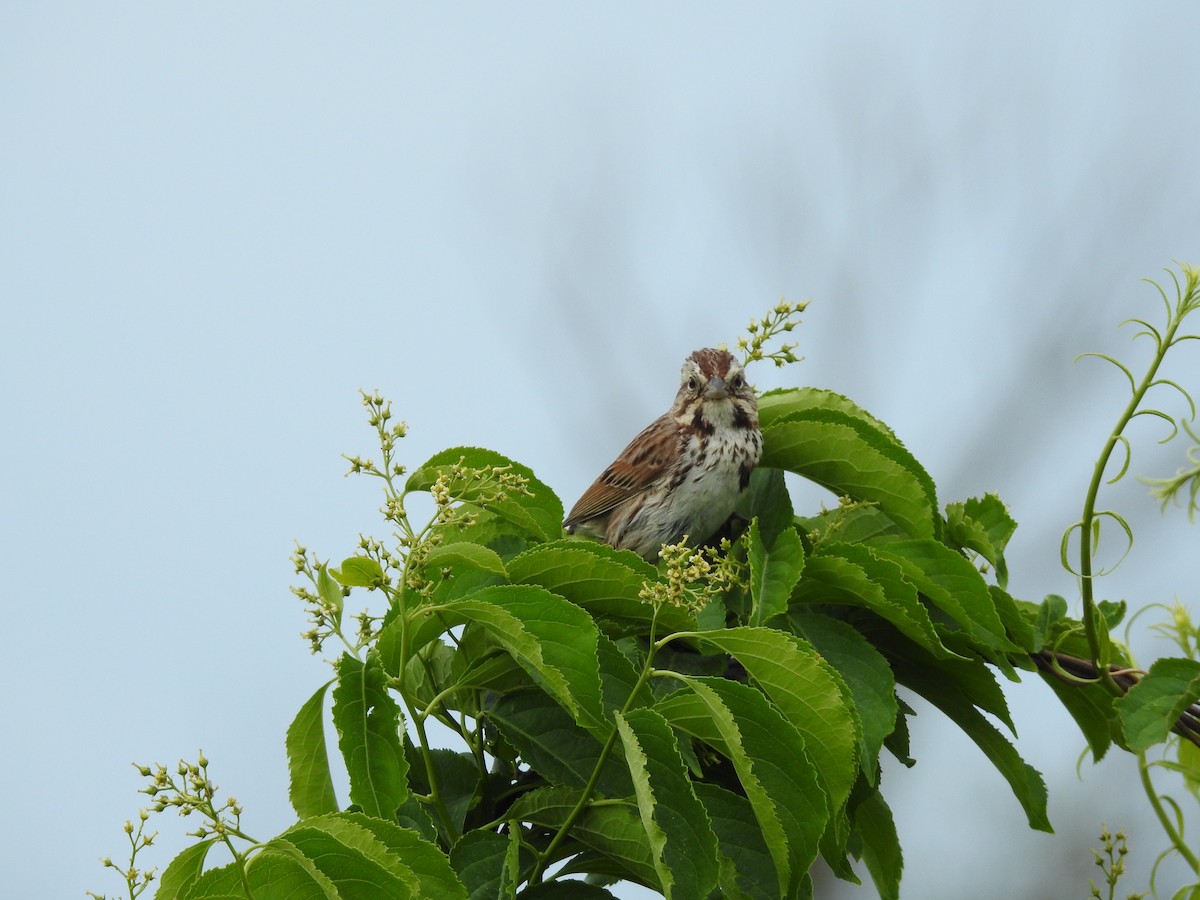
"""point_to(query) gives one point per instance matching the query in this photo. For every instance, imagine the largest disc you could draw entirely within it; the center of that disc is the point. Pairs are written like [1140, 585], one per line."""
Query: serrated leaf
[468, 556]
[310, 786]
[1019, 619]
[1051, 611]
[780, 403]
[861, 525]
[771, 762]
[1152, 706]
[553, 745]
[880, 845]
[855, 575]
[613, 830]
[1092, 709]
[683, 846]
[183, 871]
[747, 870]
[775, 567]
[604, 581]
[619, 679]
[866, 673]
[368, 726]
[766, 499]
[954, 586]
[351, 854]
[358, 571]
[554, 640]
[457, 775]
[539, 513]
[809, 692]
[479, 858]
[943, 687]
[407, 848]
[983, 525]
[278, 871]
[855, 459]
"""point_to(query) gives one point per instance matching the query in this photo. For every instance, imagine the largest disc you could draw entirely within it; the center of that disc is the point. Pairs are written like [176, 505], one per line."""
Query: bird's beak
[716, 389]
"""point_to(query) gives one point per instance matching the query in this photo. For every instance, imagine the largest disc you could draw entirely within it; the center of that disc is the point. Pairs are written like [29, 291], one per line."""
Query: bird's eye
[736, 382]
[693, 383]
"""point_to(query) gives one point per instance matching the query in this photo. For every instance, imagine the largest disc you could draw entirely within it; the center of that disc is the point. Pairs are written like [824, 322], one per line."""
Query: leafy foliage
[707, 727]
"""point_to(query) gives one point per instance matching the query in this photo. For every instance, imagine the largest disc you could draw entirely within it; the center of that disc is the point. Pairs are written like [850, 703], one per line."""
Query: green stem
[435, 790]
[241, 861]
[547, 855]
[1097, 640]
[1164, 819]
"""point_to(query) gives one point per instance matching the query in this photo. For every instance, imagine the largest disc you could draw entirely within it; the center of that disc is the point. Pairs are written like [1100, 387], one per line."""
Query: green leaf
[771, 762]
[457, 775]
[479, 859]
[604, 581]
[183, 870]
[553, 640]
[1019, 619]
[943, 687]
[466, 555]
[855, 575]
[982, 525]
[953, 585]
[880, 844]
[809, 692]
[368, 726]
[287, 874]
[778, 404]
[613, 830]
[414, 816]
[766, 499]
[1091, 706]
[865, 672]
[855, 459]
[775, 568]
[681, 839]
[860, 525]
[1052, 611]
[358, 571]
[1149, 711]
[406, 847]
[539, 514]
[747, 870]
[618, 679]
[331, 593]
[352, 855]
[553, 745]
[310, 786]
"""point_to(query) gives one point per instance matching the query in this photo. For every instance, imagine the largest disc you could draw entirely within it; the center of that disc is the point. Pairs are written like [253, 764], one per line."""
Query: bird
[683, 474]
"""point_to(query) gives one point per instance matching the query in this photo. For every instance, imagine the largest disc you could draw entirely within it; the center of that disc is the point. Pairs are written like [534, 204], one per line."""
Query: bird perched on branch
[684, 473]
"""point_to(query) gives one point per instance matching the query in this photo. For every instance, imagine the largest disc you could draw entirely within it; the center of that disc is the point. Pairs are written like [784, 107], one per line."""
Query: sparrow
[683, 474]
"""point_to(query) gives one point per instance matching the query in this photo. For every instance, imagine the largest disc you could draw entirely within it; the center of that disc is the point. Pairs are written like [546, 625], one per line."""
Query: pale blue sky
[218, 221]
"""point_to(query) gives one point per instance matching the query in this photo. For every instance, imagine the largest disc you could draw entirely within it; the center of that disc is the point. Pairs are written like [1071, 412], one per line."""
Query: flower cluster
[484, 486]
[1112, 863]
[783, 318]
[193, 792]
[188, 791]
[136, 880]
[379, 418]
[694, 575]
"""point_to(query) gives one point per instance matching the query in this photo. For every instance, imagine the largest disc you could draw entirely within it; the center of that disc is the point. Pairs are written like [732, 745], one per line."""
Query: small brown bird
[684, 473]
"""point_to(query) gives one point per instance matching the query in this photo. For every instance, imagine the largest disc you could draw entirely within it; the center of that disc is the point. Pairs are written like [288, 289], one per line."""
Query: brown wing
[640, 465]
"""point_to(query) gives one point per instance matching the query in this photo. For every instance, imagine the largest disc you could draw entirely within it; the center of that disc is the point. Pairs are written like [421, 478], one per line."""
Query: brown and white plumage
[684, 473]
